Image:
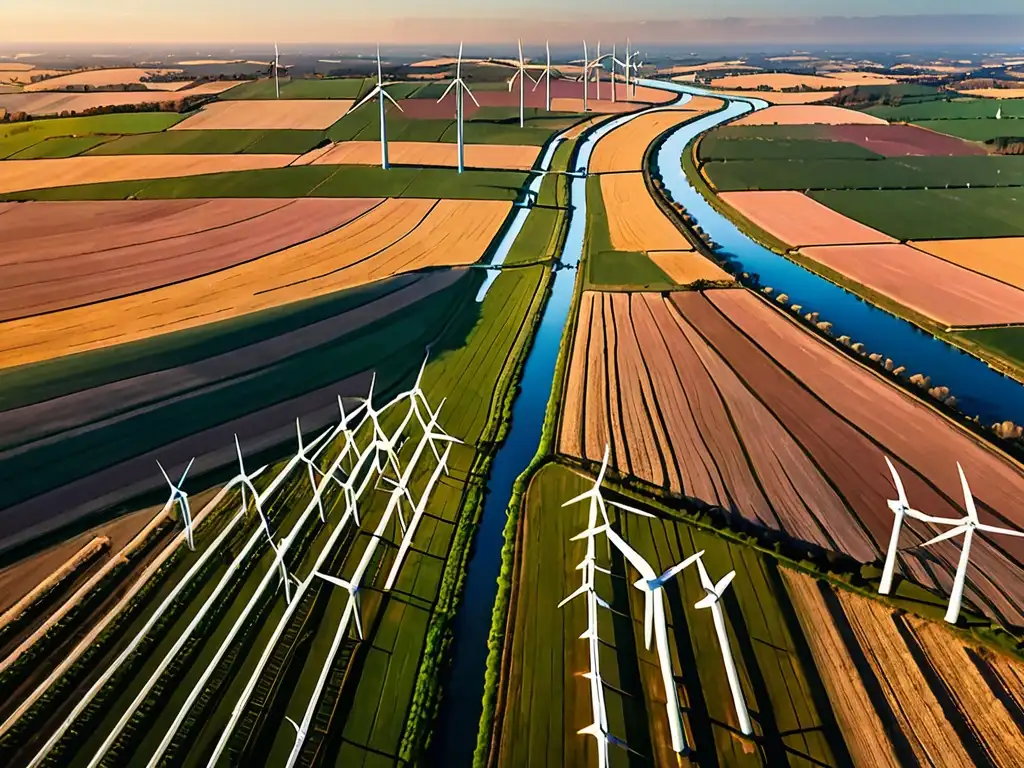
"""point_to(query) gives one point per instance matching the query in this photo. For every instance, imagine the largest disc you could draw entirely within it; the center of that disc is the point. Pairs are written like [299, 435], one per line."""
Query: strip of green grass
[626, 269]
[181, 143]
[976, 130]
[1006, 343]
[957, 109]
[60, 146]
[935, 214]
[299, 88]
[714, 147]
[14, 137]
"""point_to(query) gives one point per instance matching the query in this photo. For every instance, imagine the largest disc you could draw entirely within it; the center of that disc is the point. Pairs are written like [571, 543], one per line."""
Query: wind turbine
[713, 601]
[521, 74]
[546, 77]
[586, 75]
[966, 526]
[597, 74]
[381, 95]
[354, 599]
[460, 89]
[615, 60]
[179, 495]
[277, 83]
[649, 586]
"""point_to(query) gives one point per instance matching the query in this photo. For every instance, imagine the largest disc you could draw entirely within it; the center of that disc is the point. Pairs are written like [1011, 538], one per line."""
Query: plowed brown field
[604, 106]
[1001, 258]
[942, 291]
[398, 235]
[274, 114]
[686, 267]
[806, 115]
[744, 409]
[19, 175]
[635, 221]
[798, 220]
[113, 248]
[431, 153]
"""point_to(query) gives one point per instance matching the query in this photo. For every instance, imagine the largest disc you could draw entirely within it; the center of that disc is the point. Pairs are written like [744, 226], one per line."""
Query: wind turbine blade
[952, 533]
[997, 529]
[294, 724]
[602, 602]
[604, 465]
[367, 97]
[181, 482]
[466, 89]
[898, 483]
[724, 582]
[446, 90]
[380, 77]
[298, 434]
[706, 602]
[162, 472]
[705, 579]
[648, 618]
[512, 81]
[573, 596]
[633, 510]
[589, 532]
[670, 572]
[972, 511]
[573, 500]
[458, 70]
[334, 580]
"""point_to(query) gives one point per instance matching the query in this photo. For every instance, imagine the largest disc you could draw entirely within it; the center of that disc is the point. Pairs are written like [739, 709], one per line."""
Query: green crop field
[1006, 343]
[715, 147]
[978, 129]
[213, 142]
[300, 88]
[61, 146]
[300, 181]
[549, 700]
[935, 214]
[15, 137]
[887, 173]
[612, 269]
[957, 109]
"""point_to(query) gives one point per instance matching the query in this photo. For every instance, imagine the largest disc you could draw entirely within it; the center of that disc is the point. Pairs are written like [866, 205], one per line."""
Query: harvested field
[267, 115]
[688, 267]
[1001, 258]
[902, 140]
[579, 128]
[106, 78]
[807, 115]
[397, 236]
[935, 288]
[19, 175]
[785, 97]
[776, 81]
[108, 249]
[501, 156]
[623, 149]
[996, 93]
[44, 103]
[635, 222]
[740, 407]
[799, 221]
[712, 65]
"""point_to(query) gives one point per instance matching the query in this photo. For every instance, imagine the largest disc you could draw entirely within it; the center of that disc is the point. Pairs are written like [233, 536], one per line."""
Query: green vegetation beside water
[934, 214]
[15, 137]
[1004, 343]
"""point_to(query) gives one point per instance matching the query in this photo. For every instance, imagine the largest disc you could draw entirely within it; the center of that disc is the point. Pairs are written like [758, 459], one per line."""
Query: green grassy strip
[61, 146]
[224, 142]
[15, 137]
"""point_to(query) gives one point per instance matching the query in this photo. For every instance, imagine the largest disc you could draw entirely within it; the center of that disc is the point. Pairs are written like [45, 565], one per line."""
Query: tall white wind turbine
[178, 495]
[966, 526]
[546, 77]
[521, 75]
[277, 83]
[597, 74]
[353, 598]
[382, 95]
[460, 89]
[586, 75]
[713, 601]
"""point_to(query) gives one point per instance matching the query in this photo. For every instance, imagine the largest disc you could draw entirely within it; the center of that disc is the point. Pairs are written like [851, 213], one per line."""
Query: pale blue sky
[390, 20]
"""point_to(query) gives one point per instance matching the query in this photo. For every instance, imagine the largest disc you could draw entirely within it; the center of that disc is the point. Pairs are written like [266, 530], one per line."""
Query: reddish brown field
[94, 408]
[743, 408]
[798, 220]
[398, 235]
[807, 115]
[935, 288]
[902, 140]
[431, 153]
[113, 248]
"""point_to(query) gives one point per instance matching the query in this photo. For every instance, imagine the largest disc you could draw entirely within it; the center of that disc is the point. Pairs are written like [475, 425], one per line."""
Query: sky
[434, 21]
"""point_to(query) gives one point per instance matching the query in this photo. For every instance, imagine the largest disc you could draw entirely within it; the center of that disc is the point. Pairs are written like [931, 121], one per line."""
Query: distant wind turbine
[521, 74]
[546, 77]
[277, 83]
[381, 95]
[460, 89]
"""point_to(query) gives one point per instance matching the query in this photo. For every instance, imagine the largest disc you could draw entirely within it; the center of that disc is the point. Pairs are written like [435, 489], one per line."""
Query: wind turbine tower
[460, 89]
[522, 75]
[179, 495]
[277, 82]
[382, 95]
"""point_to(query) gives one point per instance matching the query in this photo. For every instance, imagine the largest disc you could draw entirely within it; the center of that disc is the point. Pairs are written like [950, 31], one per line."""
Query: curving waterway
[979, 389]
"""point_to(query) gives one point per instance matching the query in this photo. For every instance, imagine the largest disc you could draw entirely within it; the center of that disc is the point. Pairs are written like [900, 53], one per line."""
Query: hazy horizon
[318, 22]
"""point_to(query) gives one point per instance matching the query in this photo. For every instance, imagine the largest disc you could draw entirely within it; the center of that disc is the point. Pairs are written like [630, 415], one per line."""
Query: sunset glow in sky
[408, 21]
